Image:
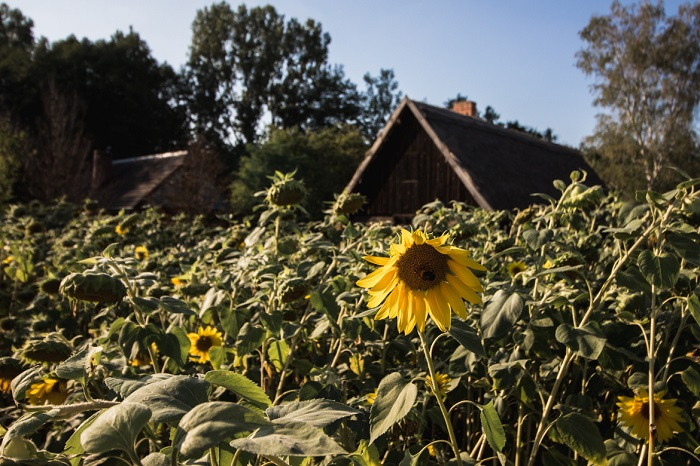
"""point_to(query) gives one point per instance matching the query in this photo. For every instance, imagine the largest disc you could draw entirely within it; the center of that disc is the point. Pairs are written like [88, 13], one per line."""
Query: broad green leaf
[277, 352]
[694, 307]
[491, 427]
[289, 439]
[501, 313]
[23, 381]
[116, 428]
[618, 456]
[210, 423]
[81, 365]
[125, 387]
[691, 377]
[156, 459]
[241, 386]
[73, 448]
[317, 412]
[467, 337]
[175, 306]
[686, 245]
[578, 433]
[249, 339]
[395, 397]
[535, 239]
[27, 424]
[586, 341]
[172, 398]
[661, 271]
[506, 374]
[175, 344]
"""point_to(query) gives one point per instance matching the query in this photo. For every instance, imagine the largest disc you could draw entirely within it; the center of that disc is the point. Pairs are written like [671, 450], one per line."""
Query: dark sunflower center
[203, 343]
[422, 267]
[645, 411]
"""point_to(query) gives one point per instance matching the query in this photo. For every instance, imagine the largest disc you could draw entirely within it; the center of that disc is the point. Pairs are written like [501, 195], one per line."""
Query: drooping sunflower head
[515, 267]
[47, 391]
[634, 413]
[442, 380]
[422, 277]
[202, 342]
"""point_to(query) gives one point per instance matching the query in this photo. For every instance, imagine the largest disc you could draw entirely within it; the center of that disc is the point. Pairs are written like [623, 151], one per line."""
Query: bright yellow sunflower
[422, 277]
[141, 252]
[634, 413]
[369, 399]
[515, 268]
[120, 230]
[442, 381]
[202, 341]
[50, 390]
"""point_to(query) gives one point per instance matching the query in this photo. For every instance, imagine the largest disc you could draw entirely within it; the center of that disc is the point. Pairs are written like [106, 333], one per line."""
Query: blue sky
[517, 56]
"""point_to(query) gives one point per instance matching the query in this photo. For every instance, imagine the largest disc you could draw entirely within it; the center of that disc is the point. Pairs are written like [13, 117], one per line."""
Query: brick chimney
[465, 107]
[101, 167]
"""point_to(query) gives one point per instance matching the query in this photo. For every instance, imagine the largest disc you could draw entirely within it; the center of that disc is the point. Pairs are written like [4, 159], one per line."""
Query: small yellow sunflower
[547, 264]
[50, 390]
[422, 277]
[202, 341]
[120, 230]
[442, 381]
[177, 281]
[8, 260]
[634, 413]
[141, 252]
[431, 450]
[515, 268]
[144, 359]
[369, 399]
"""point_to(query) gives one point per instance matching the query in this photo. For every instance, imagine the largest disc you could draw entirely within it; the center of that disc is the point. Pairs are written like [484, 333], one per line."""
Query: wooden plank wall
[408, 173]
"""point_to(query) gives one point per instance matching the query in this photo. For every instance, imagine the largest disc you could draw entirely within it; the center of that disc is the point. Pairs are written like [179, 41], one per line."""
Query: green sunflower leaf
[171, 398]
[691, 378]
[241, 386]
[694, 307]
[27, 424]
[81, 365]
[317, 412]
[467, 337]
[210, 423]
[249, 339]
[662, 271]
[580, 434]
[587, 341]
[491, 427]
[502, 312]
[535, 239]
[156, 459]
[116, 428]
[289, 439]
[395, 398]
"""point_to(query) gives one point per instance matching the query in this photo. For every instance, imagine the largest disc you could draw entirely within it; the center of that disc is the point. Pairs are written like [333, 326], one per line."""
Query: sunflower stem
[436, 391]
[650, 382]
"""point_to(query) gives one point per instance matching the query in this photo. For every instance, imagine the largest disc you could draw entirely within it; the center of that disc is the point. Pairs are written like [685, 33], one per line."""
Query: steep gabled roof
[500, 168]
[133, 180]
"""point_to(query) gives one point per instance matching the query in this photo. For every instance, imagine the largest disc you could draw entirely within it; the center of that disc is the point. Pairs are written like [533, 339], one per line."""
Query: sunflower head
[202, 342]
[442, 380]
[634, 413]
[94, 287]
[285, 190]
[53, 349]
[50, 390]
[370, 397]
[121, 230]
[422, 277]
[141, 253]
[516, 267]
[348, 204]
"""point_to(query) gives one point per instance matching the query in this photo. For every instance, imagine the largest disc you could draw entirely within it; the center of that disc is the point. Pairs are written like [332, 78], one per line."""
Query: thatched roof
[132, 180]
[500, 168]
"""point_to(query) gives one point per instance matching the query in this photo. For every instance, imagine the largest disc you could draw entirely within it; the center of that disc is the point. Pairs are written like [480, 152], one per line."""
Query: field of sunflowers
[563, 334]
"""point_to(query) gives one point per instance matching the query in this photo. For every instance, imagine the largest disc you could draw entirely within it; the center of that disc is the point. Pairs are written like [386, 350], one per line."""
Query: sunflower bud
[50, 285]
[348, 204]
[96, 287]
[285, 191]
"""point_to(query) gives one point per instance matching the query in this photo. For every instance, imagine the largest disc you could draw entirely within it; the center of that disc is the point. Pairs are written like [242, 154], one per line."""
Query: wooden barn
[426, 153]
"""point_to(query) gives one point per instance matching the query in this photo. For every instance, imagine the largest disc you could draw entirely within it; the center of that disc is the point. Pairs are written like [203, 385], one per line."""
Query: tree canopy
[646, 67]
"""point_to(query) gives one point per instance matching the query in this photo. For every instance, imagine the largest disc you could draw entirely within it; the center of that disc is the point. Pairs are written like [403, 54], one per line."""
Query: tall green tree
[247, 62]
[129, 98]
[381, 97]
[325, 160]
[646, 67]
[16, 46]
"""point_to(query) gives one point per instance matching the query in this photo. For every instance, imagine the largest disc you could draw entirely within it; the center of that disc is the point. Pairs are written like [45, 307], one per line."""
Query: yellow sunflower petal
[373, 278]
[419, 310]
[466, 276]
[462, 257]
[440, 312]
[455, 300]
[463, 290]
[378, 260]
